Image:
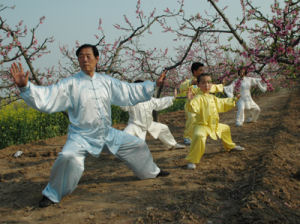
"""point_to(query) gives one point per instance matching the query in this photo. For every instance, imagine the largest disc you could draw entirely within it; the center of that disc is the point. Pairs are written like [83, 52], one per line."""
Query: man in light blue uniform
[87, 97]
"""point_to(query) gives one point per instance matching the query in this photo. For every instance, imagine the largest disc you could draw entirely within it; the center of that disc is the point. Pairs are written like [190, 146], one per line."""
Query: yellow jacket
[184, 87]
[207, 108]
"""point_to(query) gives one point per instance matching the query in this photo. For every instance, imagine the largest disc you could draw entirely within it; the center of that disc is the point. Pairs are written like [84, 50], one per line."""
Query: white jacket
[245, 91]
[88, 102]
[141, 116]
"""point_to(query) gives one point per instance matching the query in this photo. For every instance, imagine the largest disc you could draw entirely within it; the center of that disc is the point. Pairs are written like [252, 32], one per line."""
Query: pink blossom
[126, 20]
[117, 26]
[100, 24]
[152, 13]
[166, 51]
[115, 44]
[252, 11]
[42, 19]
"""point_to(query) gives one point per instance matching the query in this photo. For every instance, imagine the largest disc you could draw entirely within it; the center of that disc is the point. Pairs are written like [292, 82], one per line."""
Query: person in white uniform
[245, 102]
[87, 97]
[141, 120]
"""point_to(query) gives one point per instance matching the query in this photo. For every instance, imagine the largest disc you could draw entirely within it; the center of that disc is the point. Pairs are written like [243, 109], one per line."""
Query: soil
[258, 185]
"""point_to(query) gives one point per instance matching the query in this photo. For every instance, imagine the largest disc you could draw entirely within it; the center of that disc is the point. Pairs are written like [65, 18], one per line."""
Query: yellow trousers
[189, 123]
[200, 134]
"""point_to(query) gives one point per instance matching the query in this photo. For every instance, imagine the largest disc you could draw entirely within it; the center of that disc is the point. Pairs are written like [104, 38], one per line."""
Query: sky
[69, 21]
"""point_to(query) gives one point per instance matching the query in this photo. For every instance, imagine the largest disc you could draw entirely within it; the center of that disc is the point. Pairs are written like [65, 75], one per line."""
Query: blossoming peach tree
[267, 45]
[18, 43]
[271, 49]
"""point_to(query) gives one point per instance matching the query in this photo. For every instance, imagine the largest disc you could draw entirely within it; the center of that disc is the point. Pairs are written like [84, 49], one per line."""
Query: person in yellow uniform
[206, 108]
[197, 69]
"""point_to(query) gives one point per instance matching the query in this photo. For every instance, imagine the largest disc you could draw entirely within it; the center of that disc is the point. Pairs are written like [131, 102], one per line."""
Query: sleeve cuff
[23, 89]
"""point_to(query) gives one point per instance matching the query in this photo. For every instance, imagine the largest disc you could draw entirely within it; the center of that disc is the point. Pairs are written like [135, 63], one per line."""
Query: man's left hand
[161, 78]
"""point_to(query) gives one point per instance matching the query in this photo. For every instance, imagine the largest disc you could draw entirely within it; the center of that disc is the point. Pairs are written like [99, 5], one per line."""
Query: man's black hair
[241, 68]
[202, 75]
[196, 65]
[138, 80]
[94, 48]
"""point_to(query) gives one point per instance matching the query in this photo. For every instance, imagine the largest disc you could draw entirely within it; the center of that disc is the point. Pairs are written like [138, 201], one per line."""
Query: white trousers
[69, 166]
[157, 130]
[254, 113]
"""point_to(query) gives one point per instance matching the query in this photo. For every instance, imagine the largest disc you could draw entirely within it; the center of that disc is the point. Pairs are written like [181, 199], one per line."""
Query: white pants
[254, 113]
[156, 129]
[69, 166]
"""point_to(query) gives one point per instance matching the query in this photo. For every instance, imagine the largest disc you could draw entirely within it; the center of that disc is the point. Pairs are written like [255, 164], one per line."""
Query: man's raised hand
[190, 94]
[161, 78]
[20, 78]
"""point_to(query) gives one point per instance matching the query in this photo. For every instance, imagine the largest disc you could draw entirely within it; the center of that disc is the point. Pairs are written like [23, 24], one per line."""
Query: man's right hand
[20, 78]
[190, 94]
[194, 82]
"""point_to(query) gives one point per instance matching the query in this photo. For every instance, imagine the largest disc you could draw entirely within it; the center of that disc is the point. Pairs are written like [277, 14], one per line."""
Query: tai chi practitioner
[245, 102]
[141, 120]
[207, 108]
[87, 97]
[197, 69]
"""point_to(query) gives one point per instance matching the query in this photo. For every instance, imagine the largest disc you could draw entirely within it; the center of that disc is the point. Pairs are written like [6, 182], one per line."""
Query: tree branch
[239, 39]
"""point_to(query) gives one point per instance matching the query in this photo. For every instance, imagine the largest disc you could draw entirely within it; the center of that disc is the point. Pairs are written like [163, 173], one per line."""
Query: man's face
[87, 61]
[242, 72]
[205, 84]
[199, 71]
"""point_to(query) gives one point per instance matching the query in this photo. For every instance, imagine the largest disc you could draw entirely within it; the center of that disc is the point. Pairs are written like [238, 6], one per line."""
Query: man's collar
[86, 76]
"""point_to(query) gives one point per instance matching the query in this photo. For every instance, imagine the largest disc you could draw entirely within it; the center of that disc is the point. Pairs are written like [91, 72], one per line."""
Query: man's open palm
[18, 74]
[161, 78]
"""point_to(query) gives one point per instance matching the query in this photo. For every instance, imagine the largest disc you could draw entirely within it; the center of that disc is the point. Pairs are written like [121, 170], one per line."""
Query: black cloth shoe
[45, 202]
[163, 173]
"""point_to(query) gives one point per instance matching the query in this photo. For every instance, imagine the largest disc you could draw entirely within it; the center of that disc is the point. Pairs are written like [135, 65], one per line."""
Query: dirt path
[258, 185]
